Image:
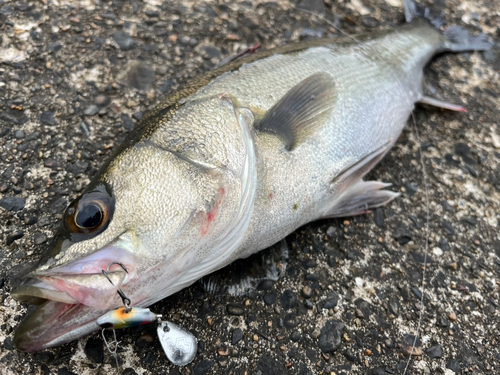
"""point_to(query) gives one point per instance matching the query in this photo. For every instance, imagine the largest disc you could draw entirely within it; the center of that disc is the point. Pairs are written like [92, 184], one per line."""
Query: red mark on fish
[211, 216]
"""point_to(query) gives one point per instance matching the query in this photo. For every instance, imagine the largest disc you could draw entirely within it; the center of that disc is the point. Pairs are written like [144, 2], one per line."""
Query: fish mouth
[53, 323]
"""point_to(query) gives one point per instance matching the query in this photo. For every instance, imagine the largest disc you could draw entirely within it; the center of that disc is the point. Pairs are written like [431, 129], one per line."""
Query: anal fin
[360, 198]
[442, 104]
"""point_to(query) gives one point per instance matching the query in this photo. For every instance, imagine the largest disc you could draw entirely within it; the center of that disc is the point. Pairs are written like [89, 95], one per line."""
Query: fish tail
[457, 39]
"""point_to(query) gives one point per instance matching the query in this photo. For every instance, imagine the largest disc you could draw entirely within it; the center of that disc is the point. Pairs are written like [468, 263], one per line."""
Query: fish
[230, 164]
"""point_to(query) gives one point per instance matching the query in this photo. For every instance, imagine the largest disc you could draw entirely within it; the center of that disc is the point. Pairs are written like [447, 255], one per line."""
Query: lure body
[121, 318]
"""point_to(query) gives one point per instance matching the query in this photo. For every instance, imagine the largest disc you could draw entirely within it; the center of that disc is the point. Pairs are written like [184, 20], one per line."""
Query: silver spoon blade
[179, 345]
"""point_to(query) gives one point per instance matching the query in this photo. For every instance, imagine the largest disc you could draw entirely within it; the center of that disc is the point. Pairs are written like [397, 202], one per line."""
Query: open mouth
[54, 323]
[68, 307]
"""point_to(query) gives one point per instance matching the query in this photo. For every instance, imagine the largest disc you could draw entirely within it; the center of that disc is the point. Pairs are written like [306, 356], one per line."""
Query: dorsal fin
[301, 111]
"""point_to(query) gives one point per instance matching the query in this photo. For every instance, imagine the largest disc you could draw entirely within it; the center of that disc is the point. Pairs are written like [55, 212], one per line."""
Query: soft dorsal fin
[301, 111]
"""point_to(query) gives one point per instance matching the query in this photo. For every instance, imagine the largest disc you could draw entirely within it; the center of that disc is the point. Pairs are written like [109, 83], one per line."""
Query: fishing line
[426, 187]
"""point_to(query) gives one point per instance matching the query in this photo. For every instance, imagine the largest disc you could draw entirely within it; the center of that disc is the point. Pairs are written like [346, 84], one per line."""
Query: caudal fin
[458, 39]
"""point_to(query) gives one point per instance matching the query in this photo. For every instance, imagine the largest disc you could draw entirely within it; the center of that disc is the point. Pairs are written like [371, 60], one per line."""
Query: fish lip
[54, 323]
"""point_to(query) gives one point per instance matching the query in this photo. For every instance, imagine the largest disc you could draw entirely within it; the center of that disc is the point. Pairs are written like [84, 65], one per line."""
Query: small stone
[137, 74]
[437, 251]
[124, 41]
[234, 309]
[14, 117]
[128, 124]
[202, 367]
[452, 266]
[408, 348]
[236, 336]
[12, 203]
[402, 235]
[270, 298]
[91, 110]
[20, 134]
[411, 189]
[144, 341]
[166, 85]
[295, 336]
[47, 118]
[453, 365]
[368, 352]
[94, 350]
[330, 232]
[435, 351]
[448, 228]
[330, 337]
[39, 238]
[306, 292]
[363, 307]
[379, 218]
[394, 306]
[452, 316]
[14, 237]
[288, 300]
[102, 100]
[265, 285]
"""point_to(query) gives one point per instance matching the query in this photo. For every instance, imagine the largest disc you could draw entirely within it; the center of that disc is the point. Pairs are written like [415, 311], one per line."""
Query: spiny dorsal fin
[301, 111]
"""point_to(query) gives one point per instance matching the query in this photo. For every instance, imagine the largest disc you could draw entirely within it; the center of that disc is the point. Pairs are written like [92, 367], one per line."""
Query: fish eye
[89, 213]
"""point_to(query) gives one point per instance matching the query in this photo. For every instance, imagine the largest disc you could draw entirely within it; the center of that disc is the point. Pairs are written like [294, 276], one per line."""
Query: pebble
[364, 308]
[12, 203]
[14, 117]
[306, 291]
[202, 367]
[91, 110]
[452, 316]
[448, 228]
[330, 337]
[124, 41]
[379, 218]
[453, 365]
[166, 85]
[144, 341]
[236, 336]
[402, 235]
[435, 351]
[270, 298]
[407, 345]
[265, 285]
[295, 336]
[394, 305]
[39, 238]
[137, 74]
[102, 100]
[234, 309]
[47, 118]
[288, 300]
[20, 134]
[94, 350]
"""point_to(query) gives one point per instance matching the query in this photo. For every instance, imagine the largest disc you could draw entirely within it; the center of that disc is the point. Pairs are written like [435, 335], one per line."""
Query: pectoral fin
[301, 111]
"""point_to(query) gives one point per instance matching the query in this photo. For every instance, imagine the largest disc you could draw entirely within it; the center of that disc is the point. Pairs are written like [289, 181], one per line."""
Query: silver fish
[231, 164]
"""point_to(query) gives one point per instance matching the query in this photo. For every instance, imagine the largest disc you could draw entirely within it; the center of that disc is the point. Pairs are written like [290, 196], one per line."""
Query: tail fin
[458, 39]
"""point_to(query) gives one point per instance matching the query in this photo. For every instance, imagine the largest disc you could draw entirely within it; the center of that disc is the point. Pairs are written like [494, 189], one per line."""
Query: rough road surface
[75, 78]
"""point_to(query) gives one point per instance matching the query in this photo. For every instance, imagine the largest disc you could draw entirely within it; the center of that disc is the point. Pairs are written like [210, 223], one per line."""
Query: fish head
[138, 224]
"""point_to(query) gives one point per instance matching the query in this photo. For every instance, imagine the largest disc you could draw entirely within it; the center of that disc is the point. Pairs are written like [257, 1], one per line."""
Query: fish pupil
[89, 216]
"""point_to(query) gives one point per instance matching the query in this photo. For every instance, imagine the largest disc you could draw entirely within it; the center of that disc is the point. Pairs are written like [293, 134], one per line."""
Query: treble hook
[126, 301]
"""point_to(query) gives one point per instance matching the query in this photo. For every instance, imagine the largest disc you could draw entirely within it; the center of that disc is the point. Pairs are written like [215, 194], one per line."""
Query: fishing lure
[179, 345]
